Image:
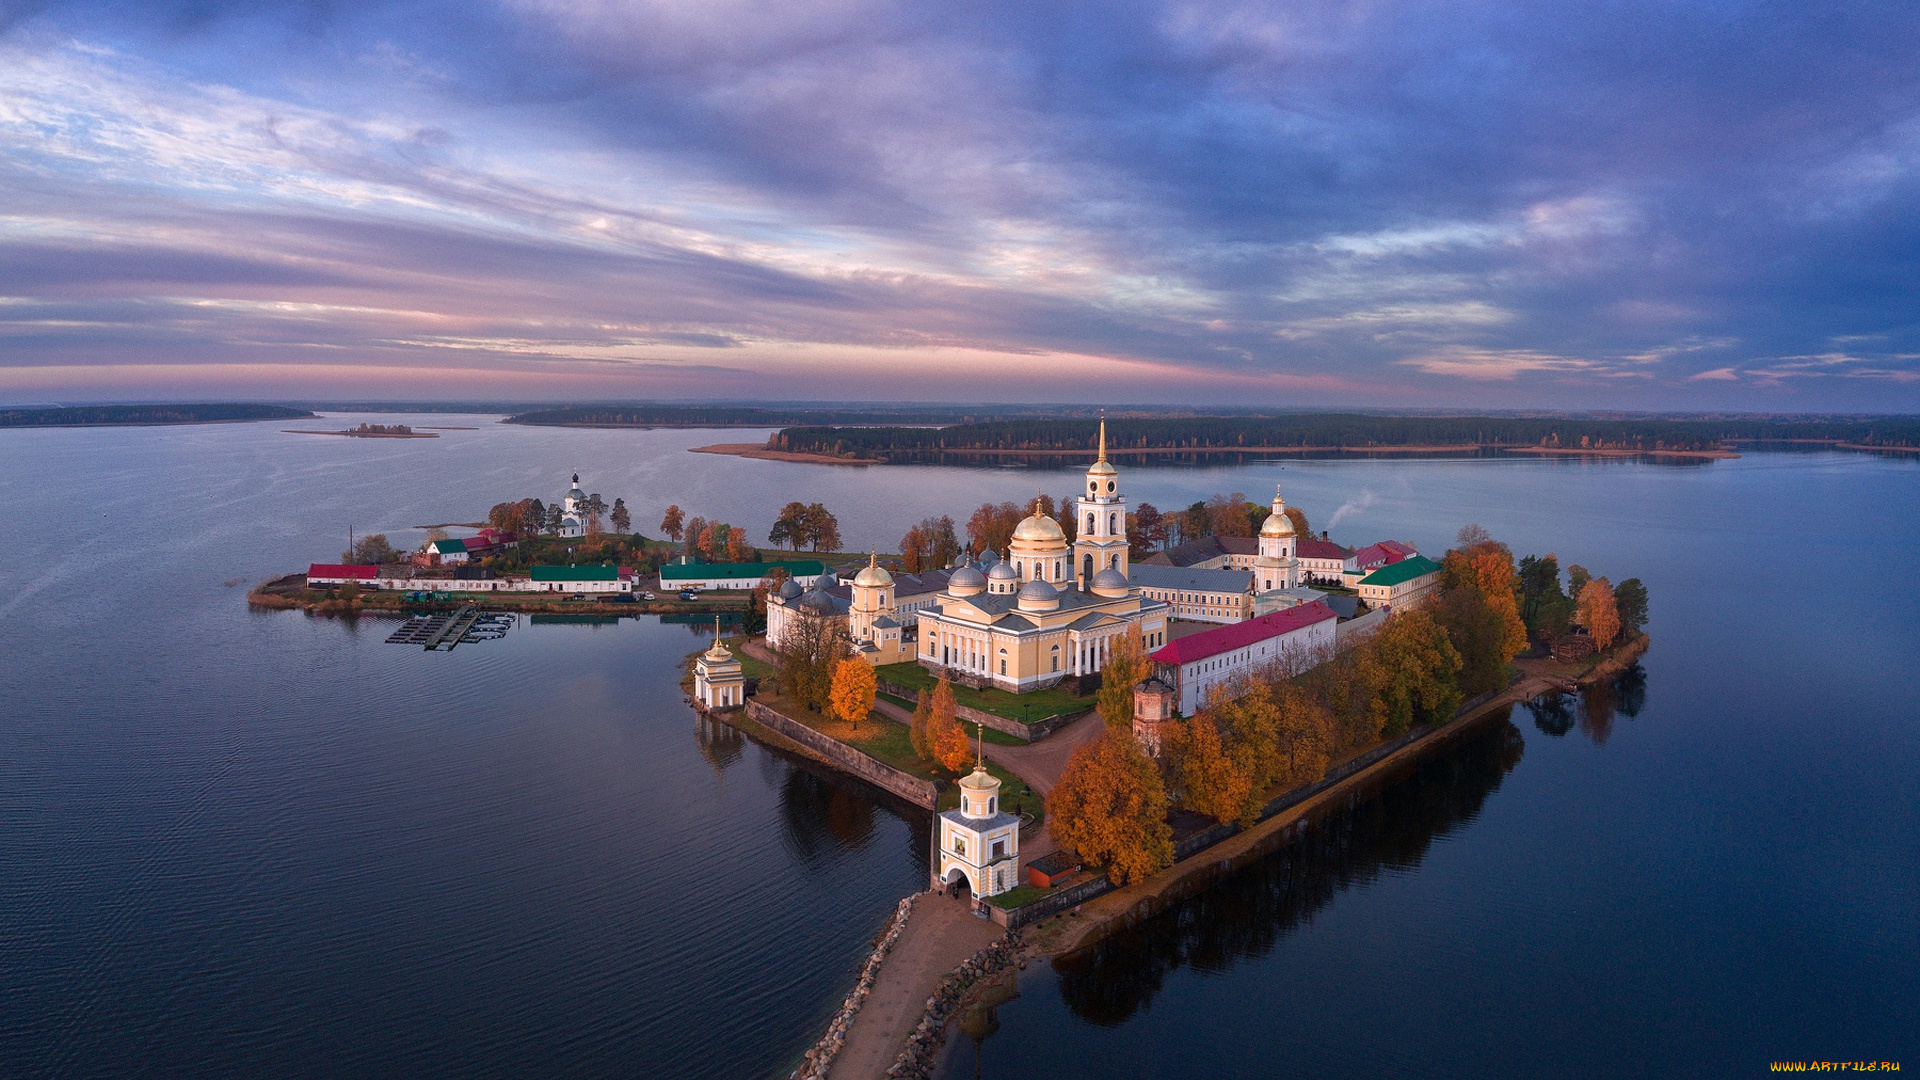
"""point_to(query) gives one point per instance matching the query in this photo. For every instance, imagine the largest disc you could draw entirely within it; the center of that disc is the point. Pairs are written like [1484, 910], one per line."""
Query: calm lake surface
[264, 844]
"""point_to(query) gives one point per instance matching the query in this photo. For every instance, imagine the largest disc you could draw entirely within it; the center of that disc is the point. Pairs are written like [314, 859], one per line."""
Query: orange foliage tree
[854, 686]
[1210, 782]
[1598, 612]
[1111, 808]
[945, 737]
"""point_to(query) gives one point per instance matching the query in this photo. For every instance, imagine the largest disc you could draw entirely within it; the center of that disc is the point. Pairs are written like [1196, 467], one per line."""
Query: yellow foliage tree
[854, 685]
[1598, 612]
[1211, 783]
[1111, 808]
[1306, 735]
[945, 737]
[1124, 668]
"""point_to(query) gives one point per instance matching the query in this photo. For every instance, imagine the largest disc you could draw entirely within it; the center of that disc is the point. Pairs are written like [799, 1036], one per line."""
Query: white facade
[1276, 568]
[1100, 540]
[1299, 648]
[979, 842]
[718, 679]
[573, 510]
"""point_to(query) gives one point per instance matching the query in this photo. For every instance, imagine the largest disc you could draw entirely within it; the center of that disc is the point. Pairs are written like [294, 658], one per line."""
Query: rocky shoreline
[817, 1060]
[918, 1060]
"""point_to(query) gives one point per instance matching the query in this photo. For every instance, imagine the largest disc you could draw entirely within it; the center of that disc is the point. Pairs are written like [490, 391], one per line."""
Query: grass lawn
[749, 666]
[998, 738]
[893, 744]
[1018, 896]
[1025, 708]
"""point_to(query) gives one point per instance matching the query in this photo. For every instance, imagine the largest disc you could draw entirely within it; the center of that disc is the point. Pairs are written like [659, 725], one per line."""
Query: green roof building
[747, 575]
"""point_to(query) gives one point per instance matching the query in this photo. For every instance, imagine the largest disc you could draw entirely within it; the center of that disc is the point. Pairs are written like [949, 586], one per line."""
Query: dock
[446, 631]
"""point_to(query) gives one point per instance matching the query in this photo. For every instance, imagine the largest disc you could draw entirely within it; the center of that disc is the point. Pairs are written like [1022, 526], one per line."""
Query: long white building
[1298, 637]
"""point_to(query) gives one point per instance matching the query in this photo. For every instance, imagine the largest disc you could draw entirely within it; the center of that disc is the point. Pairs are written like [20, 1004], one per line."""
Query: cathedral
[573, 511]
[1049, 610]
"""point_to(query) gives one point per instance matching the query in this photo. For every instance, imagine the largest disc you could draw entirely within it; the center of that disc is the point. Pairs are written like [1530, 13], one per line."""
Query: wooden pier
[446, 631]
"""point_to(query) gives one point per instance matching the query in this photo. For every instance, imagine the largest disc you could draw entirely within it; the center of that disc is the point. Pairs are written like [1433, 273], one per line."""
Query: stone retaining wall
[817, 1060]
[847, 759]
[1080, 892]
[916, 1061]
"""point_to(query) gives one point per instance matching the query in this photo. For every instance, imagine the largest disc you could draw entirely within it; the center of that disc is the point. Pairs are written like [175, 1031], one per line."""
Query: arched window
[1113, 523]
[1089, 522]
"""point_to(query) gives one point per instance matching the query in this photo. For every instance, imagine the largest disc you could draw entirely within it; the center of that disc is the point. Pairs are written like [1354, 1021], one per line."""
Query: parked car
[579, 596]
[689, 594]
[647, 596]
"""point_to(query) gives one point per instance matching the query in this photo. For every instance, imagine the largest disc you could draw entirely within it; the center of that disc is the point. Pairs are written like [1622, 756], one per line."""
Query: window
[993, 805]
[999, 849]
[1003, 666]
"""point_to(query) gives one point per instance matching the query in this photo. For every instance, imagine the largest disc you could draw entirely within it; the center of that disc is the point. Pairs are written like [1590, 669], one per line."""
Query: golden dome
[1039, 529]
[873, 575]
[979, 779]
[1278, 524]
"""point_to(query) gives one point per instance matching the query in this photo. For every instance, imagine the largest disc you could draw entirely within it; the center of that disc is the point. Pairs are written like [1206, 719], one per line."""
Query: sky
[1451, 204]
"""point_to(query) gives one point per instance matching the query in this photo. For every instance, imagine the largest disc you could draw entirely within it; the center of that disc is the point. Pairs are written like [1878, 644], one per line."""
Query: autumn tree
[790, 527]
[914, 550]
[823, 529]
[945, 737]
[1124, 668]
[1599, 613]
[1486, 565]
[991, 526]
[1577, 578]
[1209, 781]
[1066, 518]
[1305, 735]
[853, 690]
[1227, 515]
[673, 524]
[711, 538]
[621, 517]
[1299, 519]
[917, 729]
[1111, 808]
[809, 652]
[1419, 672]
[695, 527]
[738, 550]
[1146, 530]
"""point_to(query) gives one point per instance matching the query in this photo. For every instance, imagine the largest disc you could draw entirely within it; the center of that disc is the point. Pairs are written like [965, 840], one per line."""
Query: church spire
[1103, 434]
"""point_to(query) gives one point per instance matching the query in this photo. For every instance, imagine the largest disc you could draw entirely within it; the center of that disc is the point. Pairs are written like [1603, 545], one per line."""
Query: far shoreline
[765, 453]
[761, 451]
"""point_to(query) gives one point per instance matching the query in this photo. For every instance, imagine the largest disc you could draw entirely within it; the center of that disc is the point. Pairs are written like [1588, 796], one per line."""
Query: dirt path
[940, 933]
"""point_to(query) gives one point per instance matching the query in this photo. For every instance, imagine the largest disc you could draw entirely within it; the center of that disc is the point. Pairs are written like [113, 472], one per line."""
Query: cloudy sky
[1631, 204]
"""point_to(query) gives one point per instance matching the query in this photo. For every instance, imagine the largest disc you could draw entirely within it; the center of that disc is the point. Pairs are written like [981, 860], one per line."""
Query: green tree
[370, 551]
[1630, 599]
[622, 518]
[1419, 672]
[790, 527]
[1111, 807]
[1477, 633]
[809, 650]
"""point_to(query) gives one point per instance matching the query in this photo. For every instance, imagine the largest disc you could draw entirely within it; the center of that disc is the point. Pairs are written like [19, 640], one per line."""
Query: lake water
[264, 844]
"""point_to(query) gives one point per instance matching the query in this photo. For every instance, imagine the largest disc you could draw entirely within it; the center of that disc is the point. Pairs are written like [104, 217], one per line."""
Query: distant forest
[1347, 431]
[96, 415]
[750, 416]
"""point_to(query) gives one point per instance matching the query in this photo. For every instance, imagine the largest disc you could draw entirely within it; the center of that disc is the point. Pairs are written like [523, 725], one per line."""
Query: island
[373, 431]
[1103, 718]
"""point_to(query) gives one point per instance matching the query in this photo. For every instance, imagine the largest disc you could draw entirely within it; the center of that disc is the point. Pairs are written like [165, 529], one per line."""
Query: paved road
[940, 933]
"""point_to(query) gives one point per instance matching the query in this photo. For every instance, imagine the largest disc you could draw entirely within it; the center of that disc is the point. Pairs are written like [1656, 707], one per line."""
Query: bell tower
[1101, 512]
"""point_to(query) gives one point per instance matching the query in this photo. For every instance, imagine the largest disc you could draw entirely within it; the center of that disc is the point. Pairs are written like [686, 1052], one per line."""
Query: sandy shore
[366, 434]
[759, 450]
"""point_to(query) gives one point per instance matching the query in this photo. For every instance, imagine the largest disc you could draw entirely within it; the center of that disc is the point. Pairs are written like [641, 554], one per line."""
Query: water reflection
[1593, 709]
[721, 744]
[1245, 915]
[822, 818]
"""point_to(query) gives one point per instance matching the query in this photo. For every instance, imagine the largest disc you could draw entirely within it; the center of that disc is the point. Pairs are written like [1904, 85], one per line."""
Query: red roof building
[339, 574]
[1299, 636]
